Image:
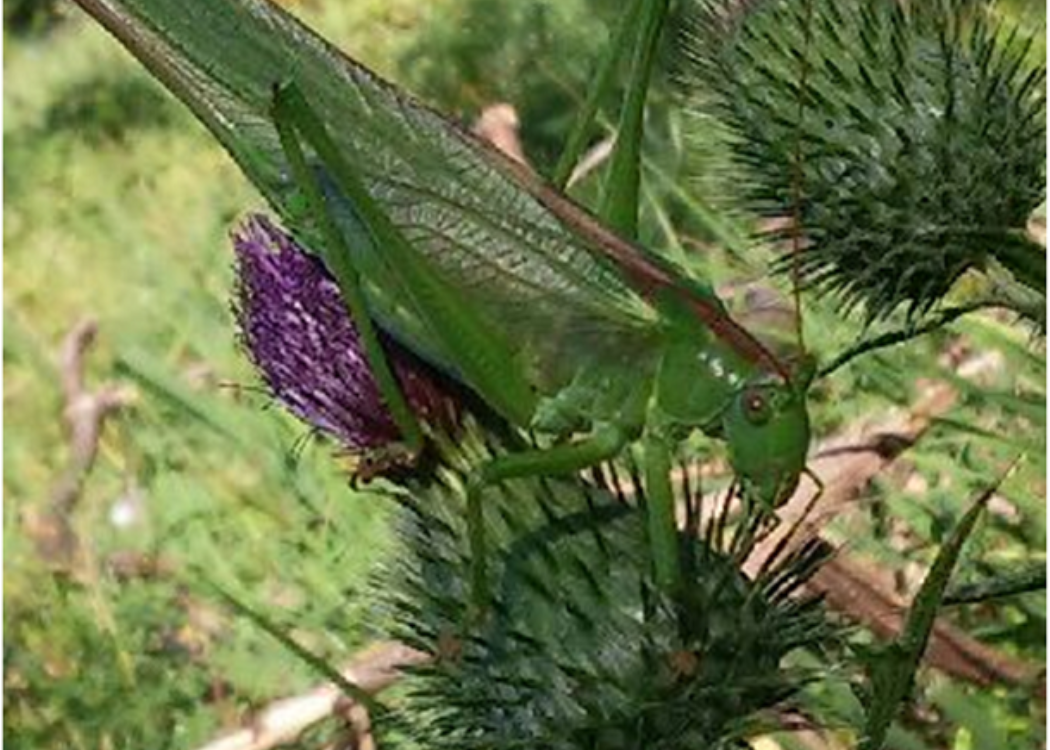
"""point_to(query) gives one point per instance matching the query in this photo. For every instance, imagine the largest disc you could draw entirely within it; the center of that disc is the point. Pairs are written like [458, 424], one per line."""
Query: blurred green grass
[118, 206]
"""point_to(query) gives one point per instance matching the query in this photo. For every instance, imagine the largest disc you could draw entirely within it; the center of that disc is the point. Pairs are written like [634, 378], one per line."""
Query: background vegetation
[118, 208]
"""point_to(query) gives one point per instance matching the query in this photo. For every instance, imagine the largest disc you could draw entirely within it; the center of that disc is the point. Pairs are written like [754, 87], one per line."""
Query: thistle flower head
[297, 331]
[906, 141]
[577, 650]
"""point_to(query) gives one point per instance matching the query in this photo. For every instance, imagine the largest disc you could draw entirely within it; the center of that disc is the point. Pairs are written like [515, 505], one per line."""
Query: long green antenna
[796, 198]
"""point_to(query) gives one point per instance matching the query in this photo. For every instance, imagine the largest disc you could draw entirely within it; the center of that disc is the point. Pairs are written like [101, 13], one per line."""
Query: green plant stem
[1029, 578]
[620, 202]
[603, 80]
[900, 335]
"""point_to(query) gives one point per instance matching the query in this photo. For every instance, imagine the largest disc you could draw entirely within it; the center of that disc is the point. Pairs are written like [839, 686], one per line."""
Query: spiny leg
[605, 443]
[294, 120]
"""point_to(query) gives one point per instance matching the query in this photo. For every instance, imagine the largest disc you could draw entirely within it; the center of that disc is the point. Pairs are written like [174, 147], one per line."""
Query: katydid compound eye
[756, 406]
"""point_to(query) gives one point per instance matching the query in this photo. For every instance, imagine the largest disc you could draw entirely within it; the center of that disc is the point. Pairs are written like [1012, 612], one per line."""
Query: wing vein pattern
[458, 202]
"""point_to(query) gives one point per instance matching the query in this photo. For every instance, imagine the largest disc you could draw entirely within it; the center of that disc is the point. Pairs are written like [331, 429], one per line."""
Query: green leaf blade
[894, 671]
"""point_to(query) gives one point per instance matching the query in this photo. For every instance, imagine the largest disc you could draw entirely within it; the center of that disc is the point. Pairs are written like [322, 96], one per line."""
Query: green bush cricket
[560, 325]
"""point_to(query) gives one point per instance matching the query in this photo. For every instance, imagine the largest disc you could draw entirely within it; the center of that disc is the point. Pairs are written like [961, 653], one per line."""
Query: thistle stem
[900, 335]
[1026, 579]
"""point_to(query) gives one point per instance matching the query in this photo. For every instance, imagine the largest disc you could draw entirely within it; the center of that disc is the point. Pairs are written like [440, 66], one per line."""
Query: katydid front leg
[291, 122]
[604, 443]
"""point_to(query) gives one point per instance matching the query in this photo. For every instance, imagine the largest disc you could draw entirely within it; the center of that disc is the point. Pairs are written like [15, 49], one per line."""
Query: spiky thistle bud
[298, 333]
[903, 141]
[577, 648]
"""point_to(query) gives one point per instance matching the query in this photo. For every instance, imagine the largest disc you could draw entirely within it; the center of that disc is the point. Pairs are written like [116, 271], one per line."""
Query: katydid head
[766, 427]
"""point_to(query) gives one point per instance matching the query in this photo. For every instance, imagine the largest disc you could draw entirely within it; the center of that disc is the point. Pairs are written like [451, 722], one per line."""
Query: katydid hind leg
[288, 119]
[620, 201]
[604, 443]
[480, 350]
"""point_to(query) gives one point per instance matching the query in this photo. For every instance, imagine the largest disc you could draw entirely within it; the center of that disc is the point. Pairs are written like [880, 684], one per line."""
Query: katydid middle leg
[662, 525]
[604, 443]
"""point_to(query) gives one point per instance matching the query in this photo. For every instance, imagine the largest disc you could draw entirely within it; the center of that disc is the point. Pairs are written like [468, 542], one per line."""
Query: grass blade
[603, 80]
[314, 661]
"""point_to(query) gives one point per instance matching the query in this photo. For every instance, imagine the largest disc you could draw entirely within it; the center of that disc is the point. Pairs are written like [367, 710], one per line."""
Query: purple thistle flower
[299, 335]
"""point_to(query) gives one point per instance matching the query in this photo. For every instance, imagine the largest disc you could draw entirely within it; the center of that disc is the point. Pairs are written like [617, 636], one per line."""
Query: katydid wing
[601, 332]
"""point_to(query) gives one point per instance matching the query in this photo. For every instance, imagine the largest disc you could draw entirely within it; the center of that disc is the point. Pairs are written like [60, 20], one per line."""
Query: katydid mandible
[472, 261]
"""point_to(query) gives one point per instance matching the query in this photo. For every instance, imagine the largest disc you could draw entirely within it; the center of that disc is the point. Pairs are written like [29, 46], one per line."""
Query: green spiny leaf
[894, 666]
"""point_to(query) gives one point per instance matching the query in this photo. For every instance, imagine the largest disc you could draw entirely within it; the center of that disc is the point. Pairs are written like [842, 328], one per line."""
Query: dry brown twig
[284, 720]
[499, 125]
[84, 413]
